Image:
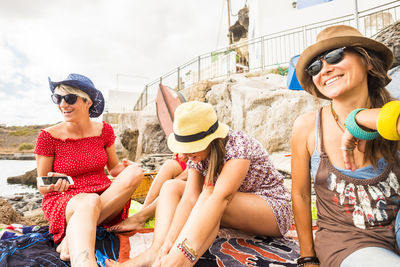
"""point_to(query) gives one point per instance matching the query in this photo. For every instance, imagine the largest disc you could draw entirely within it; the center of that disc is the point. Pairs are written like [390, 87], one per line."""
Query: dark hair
[216, 159]
[378, 96]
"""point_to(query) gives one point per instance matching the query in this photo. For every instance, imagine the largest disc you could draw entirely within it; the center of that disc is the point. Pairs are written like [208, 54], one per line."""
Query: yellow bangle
[387, 120]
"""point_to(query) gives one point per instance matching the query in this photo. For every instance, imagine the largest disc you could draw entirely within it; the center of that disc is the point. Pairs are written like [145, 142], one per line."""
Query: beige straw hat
[336, 37]
[195, 126]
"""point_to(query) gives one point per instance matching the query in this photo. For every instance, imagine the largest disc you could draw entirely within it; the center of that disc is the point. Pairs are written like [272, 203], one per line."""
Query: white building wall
[271, 16]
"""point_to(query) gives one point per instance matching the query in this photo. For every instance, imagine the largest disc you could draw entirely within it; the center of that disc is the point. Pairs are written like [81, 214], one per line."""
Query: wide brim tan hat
[336, 37]
[195, 126]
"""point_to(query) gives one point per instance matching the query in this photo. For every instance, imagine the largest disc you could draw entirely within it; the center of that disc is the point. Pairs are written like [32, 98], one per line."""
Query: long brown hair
[216, 159]
[378, 96]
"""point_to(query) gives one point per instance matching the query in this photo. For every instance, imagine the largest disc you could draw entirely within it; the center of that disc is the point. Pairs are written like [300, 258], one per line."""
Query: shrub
[25, 146]
[23, 131]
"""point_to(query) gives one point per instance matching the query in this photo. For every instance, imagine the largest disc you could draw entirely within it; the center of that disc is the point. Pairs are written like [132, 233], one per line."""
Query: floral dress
[261, 179]
[84, 160]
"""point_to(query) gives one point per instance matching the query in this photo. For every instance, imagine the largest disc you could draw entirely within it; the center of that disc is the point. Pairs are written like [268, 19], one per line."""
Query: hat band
[197, 136]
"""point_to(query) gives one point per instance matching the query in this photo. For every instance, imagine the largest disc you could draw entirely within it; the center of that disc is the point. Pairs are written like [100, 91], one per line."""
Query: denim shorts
[375, 256]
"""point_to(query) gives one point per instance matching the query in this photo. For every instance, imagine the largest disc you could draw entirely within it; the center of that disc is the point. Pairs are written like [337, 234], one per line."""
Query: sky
[136, 41]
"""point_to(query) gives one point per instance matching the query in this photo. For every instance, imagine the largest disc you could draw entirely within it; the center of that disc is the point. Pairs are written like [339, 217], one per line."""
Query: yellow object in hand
[387, 121]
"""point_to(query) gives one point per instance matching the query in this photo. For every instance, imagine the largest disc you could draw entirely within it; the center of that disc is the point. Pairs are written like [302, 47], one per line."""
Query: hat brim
[95, 95]
[328, 44]
[196, 146]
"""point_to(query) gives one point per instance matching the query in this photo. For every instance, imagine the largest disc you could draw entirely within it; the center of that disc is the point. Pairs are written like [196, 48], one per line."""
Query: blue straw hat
[84, 84]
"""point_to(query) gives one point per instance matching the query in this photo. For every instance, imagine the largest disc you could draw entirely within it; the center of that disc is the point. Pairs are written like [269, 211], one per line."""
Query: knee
[170, 187]
[91, 203]
[134, 175]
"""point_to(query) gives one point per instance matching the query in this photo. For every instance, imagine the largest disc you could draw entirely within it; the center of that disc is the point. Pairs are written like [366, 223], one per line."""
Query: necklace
[336, 117]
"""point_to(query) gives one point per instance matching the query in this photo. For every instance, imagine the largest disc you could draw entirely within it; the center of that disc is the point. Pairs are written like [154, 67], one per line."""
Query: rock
[143, 134]
[390, 36]
[394, 85]
[129, 140]
[29, 178]
[263, 108]
[8, 215]
[14, 197]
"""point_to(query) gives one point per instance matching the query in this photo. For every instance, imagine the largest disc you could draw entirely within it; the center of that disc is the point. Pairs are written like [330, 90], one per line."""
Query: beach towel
[231, 248]
[20, 246]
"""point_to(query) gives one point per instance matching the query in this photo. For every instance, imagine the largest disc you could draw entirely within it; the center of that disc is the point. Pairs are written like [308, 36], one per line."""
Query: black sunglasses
[331, 57]
[70, 99]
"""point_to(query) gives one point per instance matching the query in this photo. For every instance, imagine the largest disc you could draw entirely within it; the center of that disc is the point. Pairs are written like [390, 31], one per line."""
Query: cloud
[98, 38]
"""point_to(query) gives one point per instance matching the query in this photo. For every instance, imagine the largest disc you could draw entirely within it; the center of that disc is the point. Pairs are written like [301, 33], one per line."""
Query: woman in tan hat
[357, 200]
[231, 182]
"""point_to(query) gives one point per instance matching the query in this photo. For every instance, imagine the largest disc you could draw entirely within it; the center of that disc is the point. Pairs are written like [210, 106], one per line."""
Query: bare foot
[145, 259]
[129, 224]
[63, 250]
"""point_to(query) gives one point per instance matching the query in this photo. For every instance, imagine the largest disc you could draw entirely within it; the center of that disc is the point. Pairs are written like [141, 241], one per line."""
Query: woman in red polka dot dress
[81, 148]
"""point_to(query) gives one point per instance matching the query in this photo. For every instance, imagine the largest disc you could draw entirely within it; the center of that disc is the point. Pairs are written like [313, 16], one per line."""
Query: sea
[13, 168]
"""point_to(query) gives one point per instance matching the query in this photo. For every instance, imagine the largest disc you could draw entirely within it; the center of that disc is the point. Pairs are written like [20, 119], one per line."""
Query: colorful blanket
[34, 246]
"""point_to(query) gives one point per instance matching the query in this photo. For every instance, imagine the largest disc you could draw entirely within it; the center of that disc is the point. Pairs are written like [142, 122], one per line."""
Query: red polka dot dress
[84, 160]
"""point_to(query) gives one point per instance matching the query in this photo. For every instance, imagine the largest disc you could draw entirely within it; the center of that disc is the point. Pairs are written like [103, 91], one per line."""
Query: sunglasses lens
[314, 68]
[334, 56]
[70, 99]
[56, 98]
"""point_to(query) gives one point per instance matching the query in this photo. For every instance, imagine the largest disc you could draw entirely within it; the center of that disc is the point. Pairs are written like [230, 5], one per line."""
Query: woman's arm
[301, 183]
[114, 167]
[44, 168]
[366, 118]
[206, 217]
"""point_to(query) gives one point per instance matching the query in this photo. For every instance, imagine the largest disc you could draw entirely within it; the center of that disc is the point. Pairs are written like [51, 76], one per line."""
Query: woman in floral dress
[231, 183]
[81, 148]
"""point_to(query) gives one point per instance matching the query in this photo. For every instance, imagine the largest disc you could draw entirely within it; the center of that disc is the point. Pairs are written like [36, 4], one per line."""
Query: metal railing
[264, 52]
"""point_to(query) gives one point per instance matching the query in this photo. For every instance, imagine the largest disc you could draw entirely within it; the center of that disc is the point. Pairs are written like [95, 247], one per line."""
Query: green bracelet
[355, 130]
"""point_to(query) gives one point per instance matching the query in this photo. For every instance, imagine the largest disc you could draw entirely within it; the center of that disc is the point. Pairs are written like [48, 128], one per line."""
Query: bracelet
[303, 261]
[189, 252]
[387, 121]
[355, 130]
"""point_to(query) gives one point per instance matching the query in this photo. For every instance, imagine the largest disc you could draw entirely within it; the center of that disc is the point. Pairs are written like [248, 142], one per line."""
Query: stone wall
[262, 106]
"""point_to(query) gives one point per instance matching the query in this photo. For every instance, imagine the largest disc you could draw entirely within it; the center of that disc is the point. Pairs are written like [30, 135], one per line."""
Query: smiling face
[76, 111]
[344, 79]
[196, 157]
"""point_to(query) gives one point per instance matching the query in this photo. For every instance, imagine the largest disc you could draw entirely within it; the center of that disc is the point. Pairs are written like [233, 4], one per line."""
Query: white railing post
[356, 14]
[198, 68]
[178, 70]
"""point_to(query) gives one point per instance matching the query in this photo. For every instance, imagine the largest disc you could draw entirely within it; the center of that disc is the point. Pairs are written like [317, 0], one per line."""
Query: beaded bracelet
[355, 130]
[387, 120]
[303, 261]
[189, 252]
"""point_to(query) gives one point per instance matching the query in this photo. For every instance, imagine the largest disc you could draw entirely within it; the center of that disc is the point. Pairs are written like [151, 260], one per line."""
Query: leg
[169, 170]
[114, 198]
[164, 259]
[371, 256]
[137, 220]
[169, 198]
[80, 237]
[244, 213]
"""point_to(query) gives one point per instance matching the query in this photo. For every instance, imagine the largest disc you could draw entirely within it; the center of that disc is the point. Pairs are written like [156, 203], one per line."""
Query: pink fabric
[181, 163]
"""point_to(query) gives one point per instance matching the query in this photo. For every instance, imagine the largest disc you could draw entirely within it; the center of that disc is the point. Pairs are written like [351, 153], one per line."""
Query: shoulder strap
[320, 132]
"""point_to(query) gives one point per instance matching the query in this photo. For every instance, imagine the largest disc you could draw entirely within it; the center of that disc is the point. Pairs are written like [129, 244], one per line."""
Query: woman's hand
[60, 186]
[348, 144]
